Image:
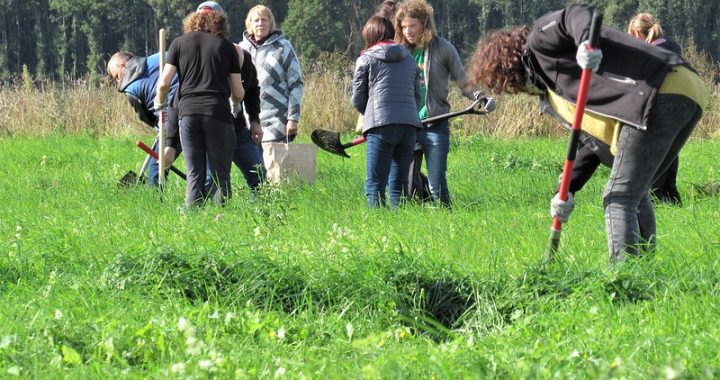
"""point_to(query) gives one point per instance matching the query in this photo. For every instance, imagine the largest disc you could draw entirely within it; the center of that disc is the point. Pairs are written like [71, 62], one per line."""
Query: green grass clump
[99, 280]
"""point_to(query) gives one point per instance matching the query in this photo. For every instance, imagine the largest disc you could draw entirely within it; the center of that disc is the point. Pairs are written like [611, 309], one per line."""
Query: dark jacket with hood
[386, 86]
[592, 152]
[630, 74]
[138, 84]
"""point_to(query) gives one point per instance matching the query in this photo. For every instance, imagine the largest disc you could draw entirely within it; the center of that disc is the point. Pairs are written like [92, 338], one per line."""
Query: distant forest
[67, 39]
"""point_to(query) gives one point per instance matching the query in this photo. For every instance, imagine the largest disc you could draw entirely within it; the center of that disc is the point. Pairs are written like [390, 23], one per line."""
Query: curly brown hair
[211, 22]
[496, 63]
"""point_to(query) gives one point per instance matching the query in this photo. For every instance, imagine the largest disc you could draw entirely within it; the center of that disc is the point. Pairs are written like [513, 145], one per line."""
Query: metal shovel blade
[328, 141]
[129, 179]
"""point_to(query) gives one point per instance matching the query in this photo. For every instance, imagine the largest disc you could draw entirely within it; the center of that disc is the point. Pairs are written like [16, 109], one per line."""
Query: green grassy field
[99, 281]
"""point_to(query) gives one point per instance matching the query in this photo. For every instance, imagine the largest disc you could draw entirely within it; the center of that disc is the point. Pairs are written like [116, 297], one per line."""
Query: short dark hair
[387, 9]
[377, 29]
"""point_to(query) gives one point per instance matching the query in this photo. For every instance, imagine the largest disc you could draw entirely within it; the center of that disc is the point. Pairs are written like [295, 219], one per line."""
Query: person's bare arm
[236, 88]
[163, 86]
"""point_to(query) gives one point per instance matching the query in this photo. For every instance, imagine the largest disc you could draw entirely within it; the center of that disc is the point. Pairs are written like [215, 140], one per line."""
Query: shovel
[133, 179]
[330, 141]
[556, 229]
[154, 155]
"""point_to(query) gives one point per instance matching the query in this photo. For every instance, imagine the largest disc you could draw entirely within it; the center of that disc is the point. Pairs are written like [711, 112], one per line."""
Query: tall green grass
[305, 282]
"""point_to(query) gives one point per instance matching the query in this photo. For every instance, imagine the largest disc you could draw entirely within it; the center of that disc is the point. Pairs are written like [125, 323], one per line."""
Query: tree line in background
[68, 39]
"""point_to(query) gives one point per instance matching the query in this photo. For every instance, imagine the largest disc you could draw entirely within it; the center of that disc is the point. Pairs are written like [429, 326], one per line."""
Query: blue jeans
[435, 144]
[641, 157]
[247, 157]
[388, 147]
[152, 170]
[207, 141]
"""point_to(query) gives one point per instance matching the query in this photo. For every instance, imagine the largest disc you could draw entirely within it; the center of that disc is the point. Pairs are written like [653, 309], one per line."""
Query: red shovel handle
[154, 155]
[575, 133]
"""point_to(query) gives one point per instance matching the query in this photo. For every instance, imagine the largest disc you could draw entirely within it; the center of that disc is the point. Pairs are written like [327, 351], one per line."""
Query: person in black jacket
[208, 66]
[591, 154]
[246, 156]
[643, 102]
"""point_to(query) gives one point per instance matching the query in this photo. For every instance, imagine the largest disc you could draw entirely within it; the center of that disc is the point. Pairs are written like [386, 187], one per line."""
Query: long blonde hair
[644, 25]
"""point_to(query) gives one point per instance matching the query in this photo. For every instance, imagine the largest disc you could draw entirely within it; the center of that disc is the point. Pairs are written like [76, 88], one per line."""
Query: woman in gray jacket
[386, 90]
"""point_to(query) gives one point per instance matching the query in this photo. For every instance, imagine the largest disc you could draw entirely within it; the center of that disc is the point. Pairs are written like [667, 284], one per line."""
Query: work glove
[588, 59]
[489, 105]
[561, 209]
[236, 108]
[169, 156]
[161, 105]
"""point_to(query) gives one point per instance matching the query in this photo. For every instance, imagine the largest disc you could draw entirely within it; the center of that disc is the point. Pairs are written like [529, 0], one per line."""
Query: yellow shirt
[682, 81]
[603, 128]
[679, 81]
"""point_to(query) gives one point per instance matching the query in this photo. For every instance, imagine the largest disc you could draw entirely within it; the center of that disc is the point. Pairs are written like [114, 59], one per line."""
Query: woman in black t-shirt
[209, 70]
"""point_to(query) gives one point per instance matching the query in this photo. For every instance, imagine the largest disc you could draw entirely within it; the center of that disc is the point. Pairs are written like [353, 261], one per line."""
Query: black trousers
[207, 142]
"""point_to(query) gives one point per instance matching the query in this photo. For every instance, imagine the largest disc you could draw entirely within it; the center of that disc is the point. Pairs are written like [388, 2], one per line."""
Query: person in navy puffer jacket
[386, 90]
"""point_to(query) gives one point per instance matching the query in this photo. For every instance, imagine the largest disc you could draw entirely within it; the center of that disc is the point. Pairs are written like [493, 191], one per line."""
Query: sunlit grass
[304, 281]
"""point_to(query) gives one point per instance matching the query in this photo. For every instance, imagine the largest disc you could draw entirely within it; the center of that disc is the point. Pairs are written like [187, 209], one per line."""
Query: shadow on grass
[254, 278]
[429, 298]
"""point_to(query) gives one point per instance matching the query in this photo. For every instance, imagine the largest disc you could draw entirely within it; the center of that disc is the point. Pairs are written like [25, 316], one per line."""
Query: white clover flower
[349, 330]
[280, 372]
[6, 341]
[228, 317]
[58, 314]
[281, 333]
[671, 373]
[178, 368]
[182, 324]
[193, 351]
[214, 315]
[14, 371]
[205, 364]
[109, 345]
